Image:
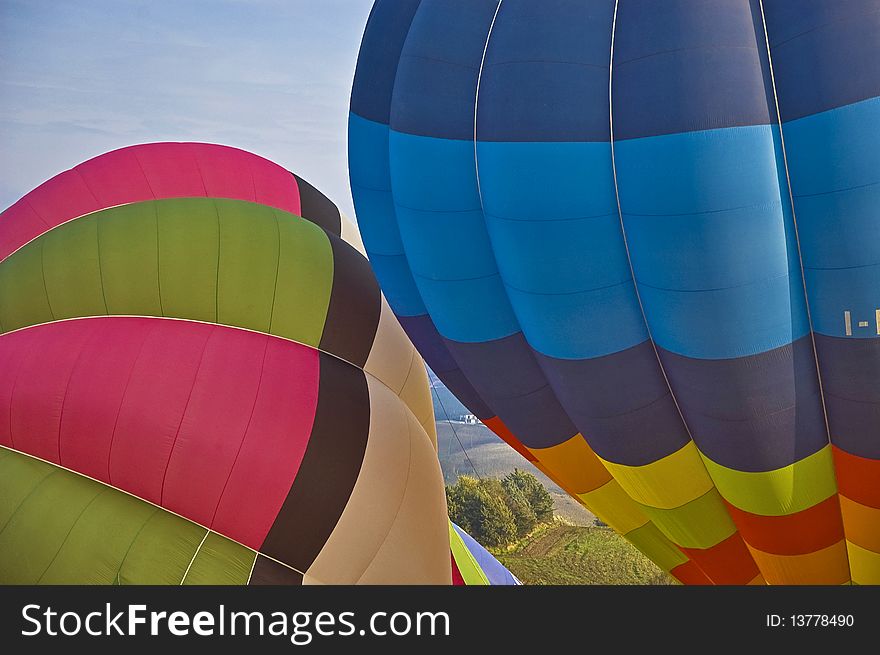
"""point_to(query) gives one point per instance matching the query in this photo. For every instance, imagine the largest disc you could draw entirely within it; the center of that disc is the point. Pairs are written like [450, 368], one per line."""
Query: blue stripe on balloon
[712, 241]
[371, 191]
[834, 164]
[444, 234]
[824, 53]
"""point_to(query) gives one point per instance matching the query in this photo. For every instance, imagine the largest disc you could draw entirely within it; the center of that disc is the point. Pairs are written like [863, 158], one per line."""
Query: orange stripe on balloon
[862, 523]
[828, 566]
[497, 426]
[803, 532]
[858, 478]
[729, 561]
[690, 574]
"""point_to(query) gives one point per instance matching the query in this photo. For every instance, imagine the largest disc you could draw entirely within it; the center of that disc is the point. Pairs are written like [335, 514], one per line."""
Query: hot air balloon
[640, 241]
[474, 565]
[202, 386]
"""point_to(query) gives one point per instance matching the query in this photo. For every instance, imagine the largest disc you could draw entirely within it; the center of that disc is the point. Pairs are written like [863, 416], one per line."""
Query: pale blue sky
[80, 77]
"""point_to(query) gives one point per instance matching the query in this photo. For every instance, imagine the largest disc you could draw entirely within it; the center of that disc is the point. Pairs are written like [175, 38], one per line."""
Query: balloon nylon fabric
[281, 364]
[512, 171]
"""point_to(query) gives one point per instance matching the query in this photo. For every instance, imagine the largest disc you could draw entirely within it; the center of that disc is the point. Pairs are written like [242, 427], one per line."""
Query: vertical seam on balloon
[64, 396]
[144, 173]
[409, 443]
[477, 100]
[57, 467]
[253, 566]
[217, 275]
[797, 239]
[201, 176]
[623, 230]
[24, 500]
[12, 398]
[243, 436]
[43, 276]
[86, 184]
[277, 269]
[100, 492]
[195, 554]
[116, 578]
[158, 260]
[629, 256]
[122, 400]
[183, 414]
[100, 268]
[34, 209]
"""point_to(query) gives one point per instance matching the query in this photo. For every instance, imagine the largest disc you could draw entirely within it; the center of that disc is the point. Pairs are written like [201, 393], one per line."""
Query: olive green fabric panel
[58, 527]
[189, 243]
[130, 243]
[72, 270]
[220, 561]
[205, 259]
[23, 298]
[248, 265]
[305, 280]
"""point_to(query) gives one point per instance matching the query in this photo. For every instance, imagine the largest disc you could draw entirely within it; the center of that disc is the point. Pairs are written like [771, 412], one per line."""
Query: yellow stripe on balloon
[783, 491]
[611, 504]
[701, 523]
[864, 564]
[666, 483]
[655, 545]
[575, 464]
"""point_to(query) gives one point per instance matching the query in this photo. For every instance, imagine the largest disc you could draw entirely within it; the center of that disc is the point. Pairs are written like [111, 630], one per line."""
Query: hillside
[561, 554]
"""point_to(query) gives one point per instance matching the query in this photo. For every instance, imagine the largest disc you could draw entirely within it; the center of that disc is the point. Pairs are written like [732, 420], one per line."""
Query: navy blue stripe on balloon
[504, 372]
[429, 343]
[852, 396]
[620, 403]
[436, 84]
[756, 413]
[824, 53]
[682, 66]
[545, 76]
[376, 69]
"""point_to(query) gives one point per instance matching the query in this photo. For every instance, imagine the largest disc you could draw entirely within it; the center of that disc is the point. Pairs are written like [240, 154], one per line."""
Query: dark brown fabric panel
[270, 572]
[355, 305]
[318, 208]
[329, 469]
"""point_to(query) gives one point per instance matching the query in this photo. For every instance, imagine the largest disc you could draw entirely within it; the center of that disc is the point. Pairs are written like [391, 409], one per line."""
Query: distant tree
[480, 508]
[523, 514]
[538, 498]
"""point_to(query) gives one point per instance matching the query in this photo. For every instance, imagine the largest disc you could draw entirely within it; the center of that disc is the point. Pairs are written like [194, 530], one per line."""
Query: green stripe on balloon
[62, 525]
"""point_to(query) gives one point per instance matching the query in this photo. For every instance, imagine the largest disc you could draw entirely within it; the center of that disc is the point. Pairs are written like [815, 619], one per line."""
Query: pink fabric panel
[38, 397]
[214, 425]
[116, 178]
[274, 445]
[147, 172]
[18, 225]
[14, 350]
[154, 405]
[221, 417]
[95, 392]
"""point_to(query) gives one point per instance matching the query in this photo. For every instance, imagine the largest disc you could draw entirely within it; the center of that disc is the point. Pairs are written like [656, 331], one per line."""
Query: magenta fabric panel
[274, 445]
[148, 171]
[208, 421]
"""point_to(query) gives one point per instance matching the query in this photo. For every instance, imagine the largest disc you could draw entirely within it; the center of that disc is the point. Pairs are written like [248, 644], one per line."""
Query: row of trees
[497, 512]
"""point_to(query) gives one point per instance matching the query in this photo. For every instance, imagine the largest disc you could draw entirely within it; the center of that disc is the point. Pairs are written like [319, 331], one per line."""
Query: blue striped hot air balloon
[641, 241]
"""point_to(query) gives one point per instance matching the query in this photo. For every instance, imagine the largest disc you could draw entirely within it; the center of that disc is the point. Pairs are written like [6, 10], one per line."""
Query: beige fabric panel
[394, 361]
[350, 233]
[406, 542]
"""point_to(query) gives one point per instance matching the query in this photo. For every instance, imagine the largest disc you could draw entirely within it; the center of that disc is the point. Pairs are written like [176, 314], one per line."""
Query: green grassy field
[562, 554]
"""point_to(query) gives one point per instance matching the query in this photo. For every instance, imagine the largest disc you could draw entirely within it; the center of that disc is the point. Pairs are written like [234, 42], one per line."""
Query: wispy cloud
[270, 76]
